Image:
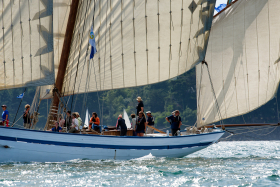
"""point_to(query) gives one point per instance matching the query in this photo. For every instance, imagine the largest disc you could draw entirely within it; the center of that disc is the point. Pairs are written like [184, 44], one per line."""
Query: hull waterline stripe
[107, 136]
[14, 139]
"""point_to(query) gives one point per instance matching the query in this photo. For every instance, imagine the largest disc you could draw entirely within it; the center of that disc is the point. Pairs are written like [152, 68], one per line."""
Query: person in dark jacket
[57, 128]
[141, 121]
[140, 106]
[68, 120]
[122, 125]
[150, 122]
[175, 121]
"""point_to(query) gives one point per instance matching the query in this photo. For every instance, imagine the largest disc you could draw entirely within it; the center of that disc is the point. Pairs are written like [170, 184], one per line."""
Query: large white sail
[26, 43]
[61, 9]
[138, 42]
[243, 56]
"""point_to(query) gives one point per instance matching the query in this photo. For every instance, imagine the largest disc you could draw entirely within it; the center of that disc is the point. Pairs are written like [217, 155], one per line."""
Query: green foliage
[161, 98]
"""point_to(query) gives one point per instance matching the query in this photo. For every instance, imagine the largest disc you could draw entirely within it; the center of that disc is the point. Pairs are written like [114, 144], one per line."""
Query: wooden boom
[244, 125]
[156, 129]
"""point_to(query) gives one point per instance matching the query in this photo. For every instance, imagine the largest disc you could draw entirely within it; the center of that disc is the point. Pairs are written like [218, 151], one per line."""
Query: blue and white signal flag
[220, 7]
[92, 43]
[20, 96]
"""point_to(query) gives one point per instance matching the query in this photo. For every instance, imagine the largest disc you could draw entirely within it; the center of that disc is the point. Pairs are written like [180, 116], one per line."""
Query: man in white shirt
[80, 121]
[75, 124]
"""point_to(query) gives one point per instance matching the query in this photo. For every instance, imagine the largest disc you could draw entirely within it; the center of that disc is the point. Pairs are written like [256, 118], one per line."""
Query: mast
[64, 58]
[65, 51]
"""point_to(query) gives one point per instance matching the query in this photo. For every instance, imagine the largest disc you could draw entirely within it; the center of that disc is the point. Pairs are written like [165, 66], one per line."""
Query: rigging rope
[255, 133]
[214, 94]
[243, 119]
[18, 108]
[92, 65]
[79, 55]
[88, 72]
[199, 93]
[17, 121]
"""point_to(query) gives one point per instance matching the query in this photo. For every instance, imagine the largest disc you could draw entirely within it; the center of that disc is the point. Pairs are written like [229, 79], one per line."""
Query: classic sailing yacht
[138, 43]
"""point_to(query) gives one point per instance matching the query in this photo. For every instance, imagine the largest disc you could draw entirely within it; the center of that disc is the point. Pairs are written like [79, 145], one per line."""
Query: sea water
[252, 163]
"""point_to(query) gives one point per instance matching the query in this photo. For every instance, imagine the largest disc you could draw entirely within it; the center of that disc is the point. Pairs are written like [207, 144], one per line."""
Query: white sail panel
[26, 43]
[126, 118]
[138, 42]
[61, 10]
[243, 56]
[87, 119]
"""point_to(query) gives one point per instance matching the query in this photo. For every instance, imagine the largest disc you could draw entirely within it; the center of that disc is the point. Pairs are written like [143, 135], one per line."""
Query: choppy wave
[222, 164]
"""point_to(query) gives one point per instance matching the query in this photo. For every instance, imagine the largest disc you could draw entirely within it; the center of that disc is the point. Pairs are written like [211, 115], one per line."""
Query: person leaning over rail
[57, 128]
[26, 117]
[175, 122]
[5, 116]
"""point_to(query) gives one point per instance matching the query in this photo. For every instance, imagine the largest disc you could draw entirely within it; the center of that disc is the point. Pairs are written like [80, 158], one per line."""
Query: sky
[218, 2]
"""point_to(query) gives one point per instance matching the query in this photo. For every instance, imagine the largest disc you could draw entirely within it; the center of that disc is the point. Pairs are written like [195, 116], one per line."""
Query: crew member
[150, 122]
[5, 116]
[140, 106]
[26, 117]
[61, 121]
[74, 126]
[122, 125]
[68, 120]
[57, 128]
[133, 124]
[140, 127]
[80, 121]
[95, 122]
[175, 122]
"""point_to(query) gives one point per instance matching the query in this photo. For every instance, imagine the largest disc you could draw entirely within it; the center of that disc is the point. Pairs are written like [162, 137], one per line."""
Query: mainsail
[61, 9]
[138, 42]
[26, 43]
[243, 56]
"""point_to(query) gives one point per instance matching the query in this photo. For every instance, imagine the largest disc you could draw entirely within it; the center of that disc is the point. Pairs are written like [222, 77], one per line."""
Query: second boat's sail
[243, 56]
[126, 118]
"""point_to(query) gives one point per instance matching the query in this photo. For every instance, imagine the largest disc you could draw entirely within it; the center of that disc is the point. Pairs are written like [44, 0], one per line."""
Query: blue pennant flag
[92, 43]
[220, 7]
[20, 96]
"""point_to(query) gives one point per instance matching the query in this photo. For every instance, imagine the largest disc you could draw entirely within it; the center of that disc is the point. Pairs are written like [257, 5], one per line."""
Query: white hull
[40, 146]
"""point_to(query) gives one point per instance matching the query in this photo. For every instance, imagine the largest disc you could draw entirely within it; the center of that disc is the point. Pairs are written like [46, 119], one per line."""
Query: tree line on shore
[160, 98]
